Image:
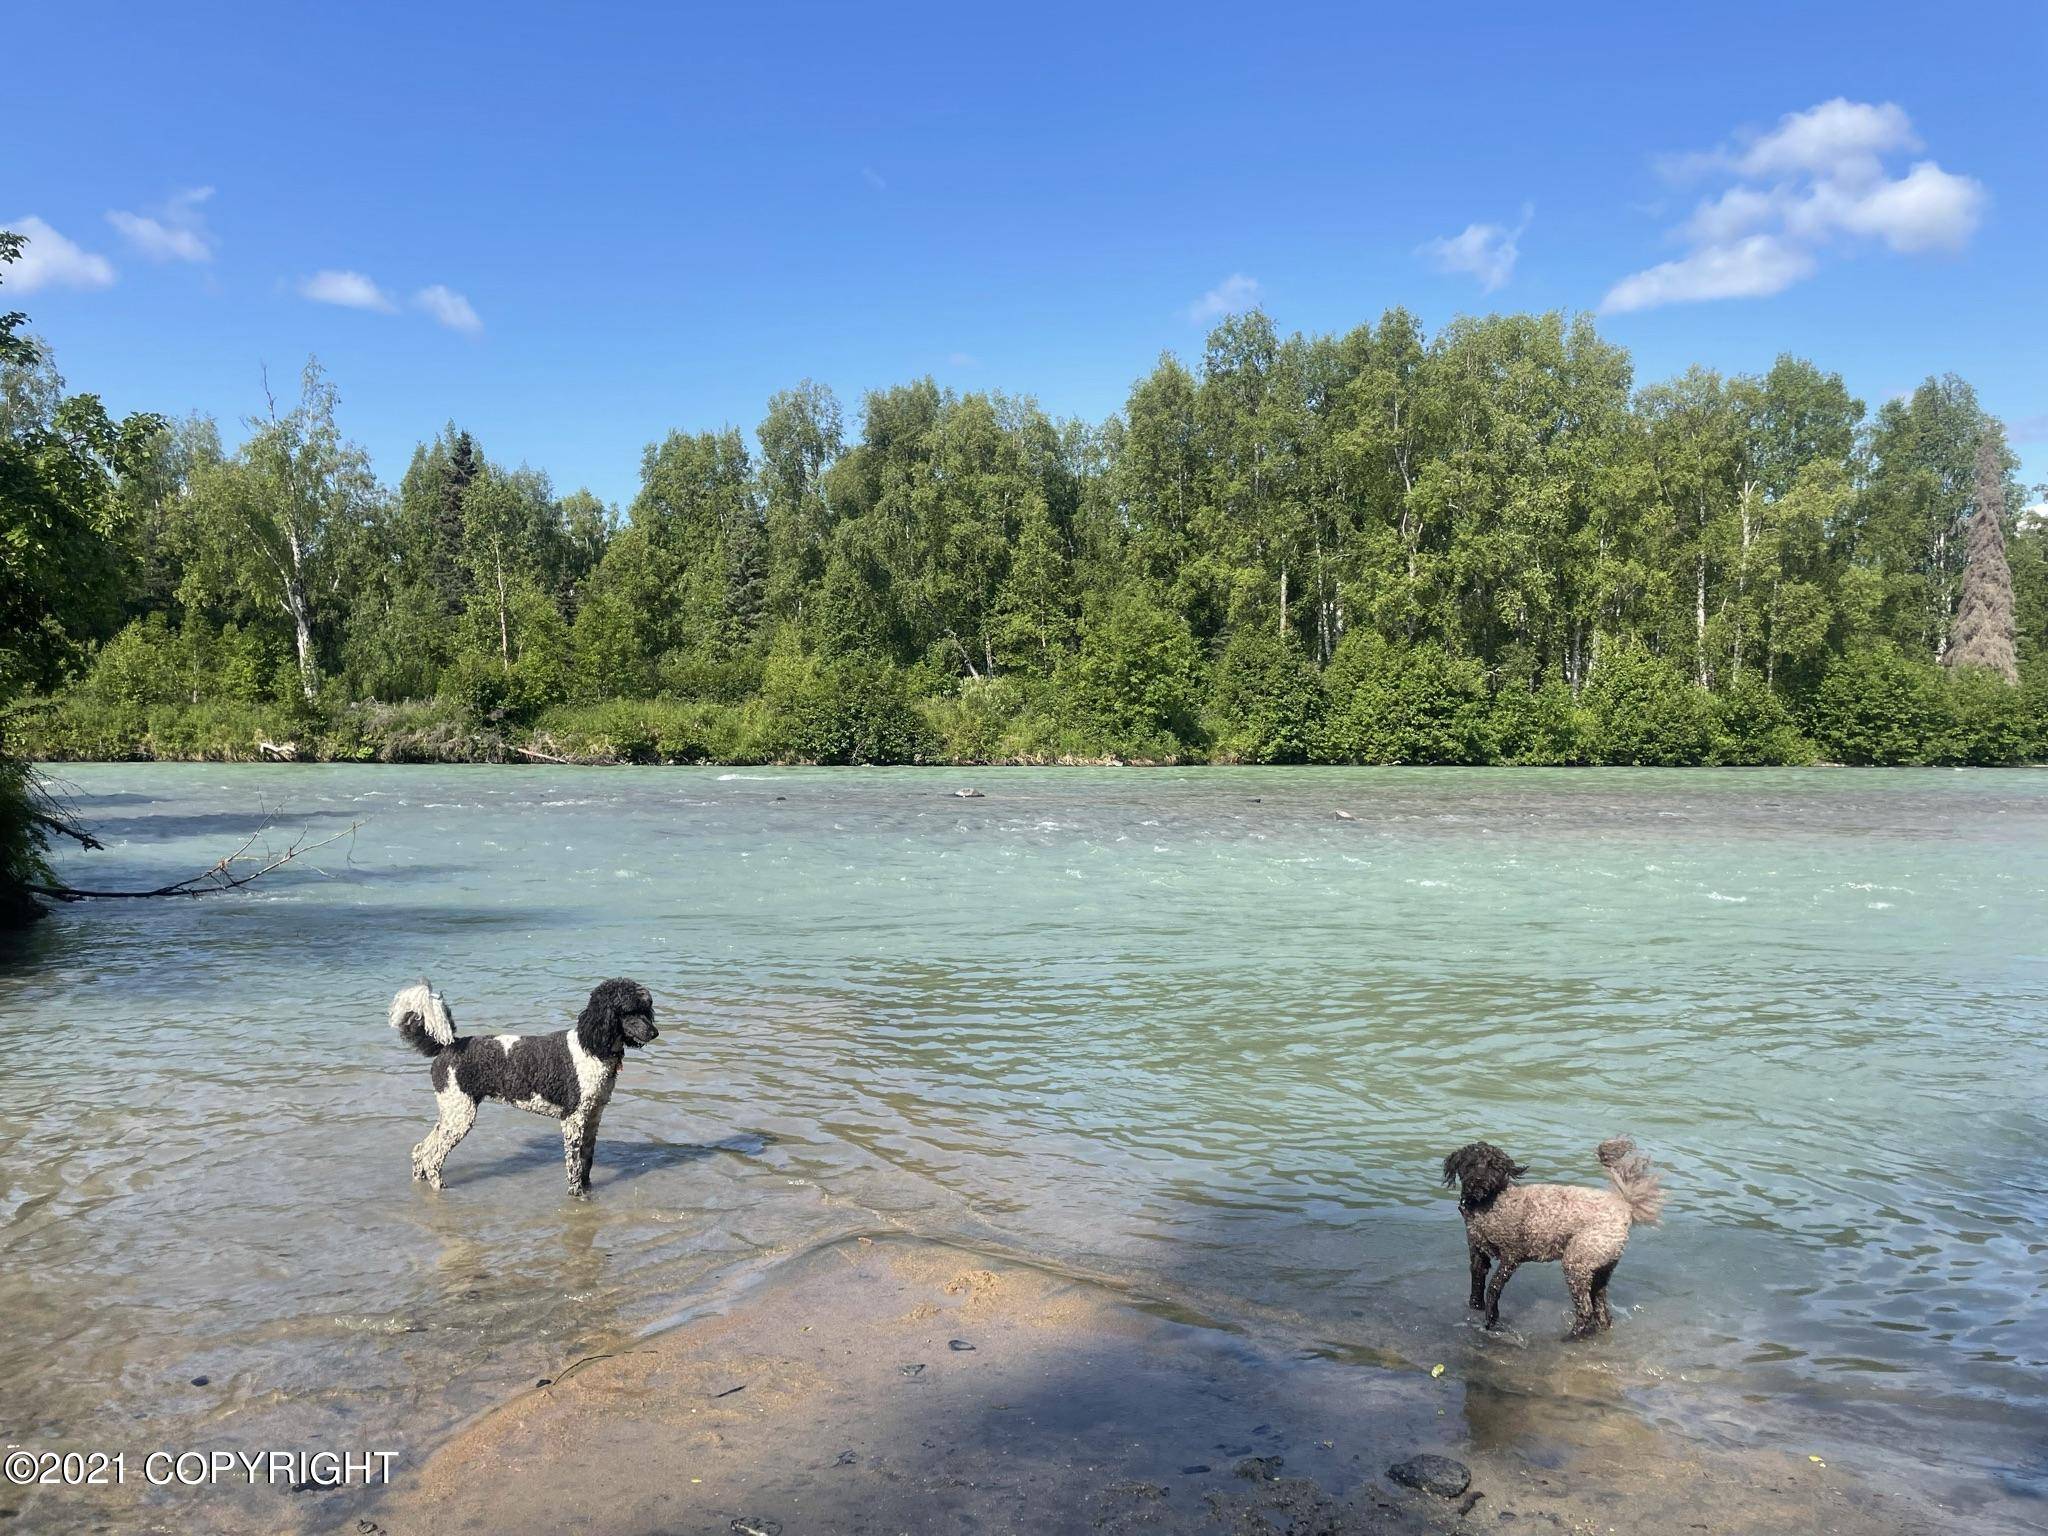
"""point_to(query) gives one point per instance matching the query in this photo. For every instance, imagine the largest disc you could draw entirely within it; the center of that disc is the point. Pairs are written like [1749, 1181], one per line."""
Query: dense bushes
[1412, 704]
[1137, 690]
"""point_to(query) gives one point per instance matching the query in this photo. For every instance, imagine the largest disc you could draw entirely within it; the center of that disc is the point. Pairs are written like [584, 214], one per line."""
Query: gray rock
[1432, 1474]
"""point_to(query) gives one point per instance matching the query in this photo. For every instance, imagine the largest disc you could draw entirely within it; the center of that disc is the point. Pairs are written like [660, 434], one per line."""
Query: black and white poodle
[568, 1075]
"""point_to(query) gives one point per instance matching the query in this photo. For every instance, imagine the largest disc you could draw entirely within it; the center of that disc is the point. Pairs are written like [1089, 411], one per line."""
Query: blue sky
[572, 228]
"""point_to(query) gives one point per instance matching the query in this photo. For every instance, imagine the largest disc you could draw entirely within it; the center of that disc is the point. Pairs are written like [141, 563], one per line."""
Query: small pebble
[545, 1381]
[200, 1381]
[959, 1345]
[913, 1370]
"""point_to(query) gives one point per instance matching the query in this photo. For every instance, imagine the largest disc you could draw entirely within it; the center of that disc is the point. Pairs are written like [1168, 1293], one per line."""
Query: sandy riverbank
[841, 1397]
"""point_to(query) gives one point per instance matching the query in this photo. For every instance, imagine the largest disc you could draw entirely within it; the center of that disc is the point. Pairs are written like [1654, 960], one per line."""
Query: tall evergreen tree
[1983, 632]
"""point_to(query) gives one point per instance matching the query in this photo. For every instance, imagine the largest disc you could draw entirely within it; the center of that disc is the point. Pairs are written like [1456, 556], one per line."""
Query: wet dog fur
[567, 1076]
[1509, 1224]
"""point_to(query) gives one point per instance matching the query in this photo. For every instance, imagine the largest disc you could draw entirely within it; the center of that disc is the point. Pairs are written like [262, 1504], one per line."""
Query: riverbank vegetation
[1483, 546]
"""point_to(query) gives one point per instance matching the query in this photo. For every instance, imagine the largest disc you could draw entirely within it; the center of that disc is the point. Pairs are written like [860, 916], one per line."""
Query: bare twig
[59, 825]
[219, 876]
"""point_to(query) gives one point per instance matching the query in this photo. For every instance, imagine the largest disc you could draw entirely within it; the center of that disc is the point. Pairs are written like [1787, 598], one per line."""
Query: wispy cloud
[1814, 184]
[962, 360]
[1487, 251]
[49, 260]
[873, 178]
[450, 308]
[1233, 296]
[1752, 268]
[173, 231]
[2029, 429]
[351, 290]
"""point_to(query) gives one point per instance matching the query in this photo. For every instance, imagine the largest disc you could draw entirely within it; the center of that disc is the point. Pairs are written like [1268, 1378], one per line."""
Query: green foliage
[1412, 704]
[846, 709]
[1483, 545]
[1877, 706]
[1752, 727]
[1136, 683]
[1643, 710]
[1993, 723]
[1543, 725]
[1268, 700]
[981, 722]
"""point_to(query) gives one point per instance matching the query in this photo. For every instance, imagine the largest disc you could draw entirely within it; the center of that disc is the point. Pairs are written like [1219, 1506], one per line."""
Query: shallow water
[1195, 1031]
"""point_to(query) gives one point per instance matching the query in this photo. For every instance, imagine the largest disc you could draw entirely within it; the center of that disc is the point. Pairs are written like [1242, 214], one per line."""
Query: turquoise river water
[1195, 1032]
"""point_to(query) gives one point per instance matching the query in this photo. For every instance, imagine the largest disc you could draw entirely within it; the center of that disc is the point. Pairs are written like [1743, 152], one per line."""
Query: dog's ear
[1482, 1171]
[598, 1027]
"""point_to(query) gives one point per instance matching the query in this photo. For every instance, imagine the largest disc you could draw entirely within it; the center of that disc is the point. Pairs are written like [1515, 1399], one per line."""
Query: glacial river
[1207, 1034]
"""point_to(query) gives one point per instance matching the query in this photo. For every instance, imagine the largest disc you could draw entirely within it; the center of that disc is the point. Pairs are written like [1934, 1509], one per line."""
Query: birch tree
[266, 519]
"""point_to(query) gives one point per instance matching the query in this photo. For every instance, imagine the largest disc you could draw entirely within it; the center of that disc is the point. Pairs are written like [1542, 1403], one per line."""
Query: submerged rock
[1432, 1474]
[968, 794]
[1260, 1469]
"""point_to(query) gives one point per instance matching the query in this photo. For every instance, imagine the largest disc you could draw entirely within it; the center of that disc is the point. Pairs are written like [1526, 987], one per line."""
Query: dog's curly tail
[422, 1019]
[1641, 1190]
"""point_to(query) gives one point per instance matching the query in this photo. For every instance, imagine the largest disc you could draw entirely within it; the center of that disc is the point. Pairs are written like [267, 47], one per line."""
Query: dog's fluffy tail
[1641, 1191]
[422, 1019]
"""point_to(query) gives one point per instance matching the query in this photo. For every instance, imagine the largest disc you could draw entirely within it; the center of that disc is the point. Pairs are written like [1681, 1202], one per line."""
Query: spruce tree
[1983, 633]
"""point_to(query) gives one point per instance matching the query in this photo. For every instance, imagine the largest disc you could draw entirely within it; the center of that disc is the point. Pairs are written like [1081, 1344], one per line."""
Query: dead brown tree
[1983, 635]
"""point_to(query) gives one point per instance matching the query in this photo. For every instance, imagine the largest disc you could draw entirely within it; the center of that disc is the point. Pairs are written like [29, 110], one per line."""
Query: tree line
[1483, 545]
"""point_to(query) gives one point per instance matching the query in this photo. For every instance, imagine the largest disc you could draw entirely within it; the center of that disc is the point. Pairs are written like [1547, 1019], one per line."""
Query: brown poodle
[1507, 1224]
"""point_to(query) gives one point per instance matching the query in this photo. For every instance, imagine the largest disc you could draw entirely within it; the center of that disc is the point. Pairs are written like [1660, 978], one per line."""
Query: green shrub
[1752, 727]
[974, 723]
[1540, 726]
[1135, 686]
[1268, 700]
[1404, 704]
[850, 709]
[1876, 706]
[1644, 711]
[142, 665]
[1991, 723]
[694, 675]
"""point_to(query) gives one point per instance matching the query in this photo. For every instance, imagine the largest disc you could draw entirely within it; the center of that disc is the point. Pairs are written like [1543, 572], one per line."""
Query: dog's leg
[1579, 1281]
[458, 1114]
[1480, 1264]
[1494, 1285]
[1602, 1317]
[579, 1147]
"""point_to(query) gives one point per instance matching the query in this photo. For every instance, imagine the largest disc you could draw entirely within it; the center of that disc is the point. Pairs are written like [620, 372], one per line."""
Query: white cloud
[962, 360]
[873, 178]
[1233, 296]
[175, 231]
[1836, 138]
[351, 290]
[1487, 251]
[1815, 184]
[450, 308]
[1927, 209]
[49, 260]
[1749, 269]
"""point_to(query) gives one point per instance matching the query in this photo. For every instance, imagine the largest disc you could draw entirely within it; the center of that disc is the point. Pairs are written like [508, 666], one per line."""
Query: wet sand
[841, 1396]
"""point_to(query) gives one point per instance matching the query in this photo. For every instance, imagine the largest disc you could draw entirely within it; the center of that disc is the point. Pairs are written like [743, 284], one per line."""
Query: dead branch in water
[64, 828]
[219, 876]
